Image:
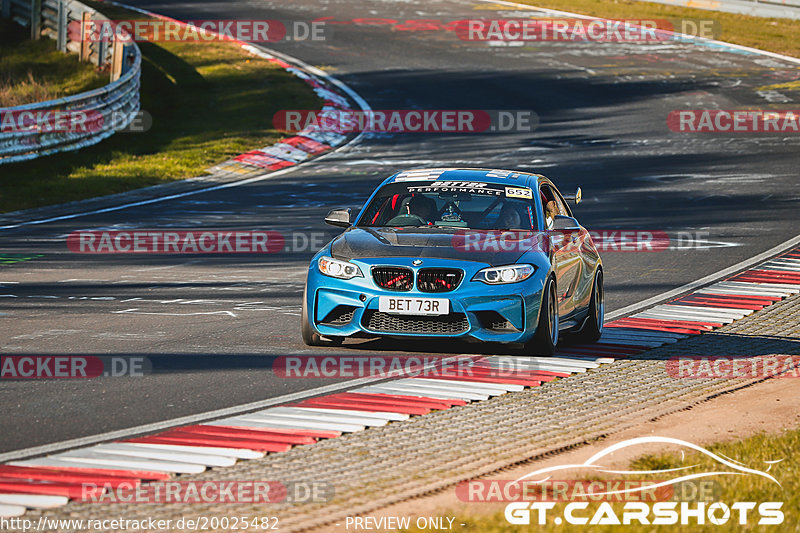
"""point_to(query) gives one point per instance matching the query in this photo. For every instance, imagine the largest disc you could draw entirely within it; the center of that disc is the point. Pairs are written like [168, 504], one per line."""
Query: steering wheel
[407, 220]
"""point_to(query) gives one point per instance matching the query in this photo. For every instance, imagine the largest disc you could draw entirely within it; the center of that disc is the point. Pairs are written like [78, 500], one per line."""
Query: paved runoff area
[322, 459]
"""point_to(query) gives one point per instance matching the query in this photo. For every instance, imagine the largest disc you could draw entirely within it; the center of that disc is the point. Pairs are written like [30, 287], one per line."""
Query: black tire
[593, 327]
[545, 339]
[311, 337]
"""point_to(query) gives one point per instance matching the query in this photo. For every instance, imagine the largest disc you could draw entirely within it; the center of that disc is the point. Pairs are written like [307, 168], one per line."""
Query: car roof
[484, 175]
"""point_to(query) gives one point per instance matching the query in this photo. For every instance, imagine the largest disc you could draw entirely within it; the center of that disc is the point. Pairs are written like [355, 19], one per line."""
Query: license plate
[413, 306]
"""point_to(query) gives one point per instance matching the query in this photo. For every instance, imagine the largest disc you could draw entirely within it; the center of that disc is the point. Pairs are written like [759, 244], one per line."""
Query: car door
[566, 252]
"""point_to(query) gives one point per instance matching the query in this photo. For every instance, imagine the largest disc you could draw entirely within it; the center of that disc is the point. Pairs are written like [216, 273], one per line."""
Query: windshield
[456, 204]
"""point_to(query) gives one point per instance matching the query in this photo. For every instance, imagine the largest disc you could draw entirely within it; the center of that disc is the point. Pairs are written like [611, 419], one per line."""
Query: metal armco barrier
[27, 131]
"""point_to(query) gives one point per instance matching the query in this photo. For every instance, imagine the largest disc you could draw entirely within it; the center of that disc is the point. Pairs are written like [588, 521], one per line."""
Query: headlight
[338, 269]
[504, 274]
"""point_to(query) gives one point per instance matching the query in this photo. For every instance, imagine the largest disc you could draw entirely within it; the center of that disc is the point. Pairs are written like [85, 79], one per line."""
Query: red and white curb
[51, 481]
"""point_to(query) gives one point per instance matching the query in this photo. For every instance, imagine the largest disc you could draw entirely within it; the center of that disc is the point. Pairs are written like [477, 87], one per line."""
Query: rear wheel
[545, 339]
[593, 328]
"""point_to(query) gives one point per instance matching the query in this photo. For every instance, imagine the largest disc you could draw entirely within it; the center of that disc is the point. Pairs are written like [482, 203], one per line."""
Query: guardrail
[35, 130]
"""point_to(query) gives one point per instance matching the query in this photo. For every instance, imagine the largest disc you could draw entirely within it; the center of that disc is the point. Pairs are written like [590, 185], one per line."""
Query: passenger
[550, 212]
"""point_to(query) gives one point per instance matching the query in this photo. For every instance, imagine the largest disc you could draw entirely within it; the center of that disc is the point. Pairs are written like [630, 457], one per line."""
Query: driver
[422, 206]
[508, 218]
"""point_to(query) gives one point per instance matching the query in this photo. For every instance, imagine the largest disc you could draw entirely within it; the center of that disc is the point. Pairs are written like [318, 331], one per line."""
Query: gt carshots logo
[642, 511]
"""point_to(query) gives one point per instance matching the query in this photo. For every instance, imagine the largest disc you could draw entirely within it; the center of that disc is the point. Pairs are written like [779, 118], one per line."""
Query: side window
[552, 204]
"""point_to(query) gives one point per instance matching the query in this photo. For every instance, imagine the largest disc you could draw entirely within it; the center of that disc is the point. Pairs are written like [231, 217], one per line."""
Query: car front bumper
[506, 313]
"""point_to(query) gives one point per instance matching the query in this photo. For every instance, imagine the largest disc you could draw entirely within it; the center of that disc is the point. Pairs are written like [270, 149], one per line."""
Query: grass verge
[754, 452]
[33, 71]
[209, 101]
[781, 36]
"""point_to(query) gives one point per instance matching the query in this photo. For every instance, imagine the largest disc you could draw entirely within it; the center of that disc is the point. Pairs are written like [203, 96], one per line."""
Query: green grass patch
[209, 101]
[753, 452]
[33, 71]
[772, 34]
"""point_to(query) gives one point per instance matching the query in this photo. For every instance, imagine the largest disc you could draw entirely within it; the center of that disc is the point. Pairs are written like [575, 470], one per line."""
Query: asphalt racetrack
[210, 327]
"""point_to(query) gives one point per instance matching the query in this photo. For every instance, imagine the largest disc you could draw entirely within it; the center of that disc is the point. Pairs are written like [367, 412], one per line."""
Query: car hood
[440, 243]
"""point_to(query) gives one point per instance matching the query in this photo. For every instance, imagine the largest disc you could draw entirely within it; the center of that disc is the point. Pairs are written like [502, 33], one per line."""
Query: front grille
[339, 316]
[393, 278]
[451, 324]
[438, 279]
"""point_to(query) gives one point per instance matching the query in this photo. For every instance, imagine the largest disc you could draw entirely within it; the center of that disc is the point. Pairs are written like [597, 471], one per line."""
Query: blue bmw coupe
[475, 254]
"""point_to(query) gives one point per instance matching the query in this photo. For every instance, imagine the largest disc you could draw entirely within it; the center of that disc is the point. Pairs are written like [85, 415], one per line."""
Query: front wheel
[311, 337]
[593, 328]
[545, 339]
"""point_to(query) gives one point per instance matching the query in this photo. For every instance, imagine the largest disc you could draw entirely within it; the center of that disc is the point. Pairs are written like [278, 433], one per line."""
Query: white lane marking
[636, 332]
[793, 288]
[245, 423]
[54, 462]
[283, 413]
[508, 387]
[636, 335]
[707, 311]
[730, 291]
[703, 311]
[425, 392]
[385, 415]
[239, 453]
[34, 501]
[631, 342]
[91, 460]
[674, 316]
[535, 366]
[303, 423]
[677, 315]
[780, 267]
[135, 311]
[165, 455]
[446, 386]
[560, 361]
[10, 511]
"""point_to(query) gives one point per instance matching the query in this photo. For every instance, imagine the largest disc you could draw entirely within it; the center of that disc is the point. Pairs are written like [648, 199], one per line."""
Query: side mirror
[576, 198]
[565, 223]
[339, 217]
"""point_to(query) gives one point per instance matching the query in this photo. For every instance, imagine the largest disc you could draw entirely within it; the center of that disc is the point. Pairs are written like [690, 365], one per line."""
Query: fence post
[117, 57]
[36, 19]
[101, 52]
[86, 20]
[63, 26]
